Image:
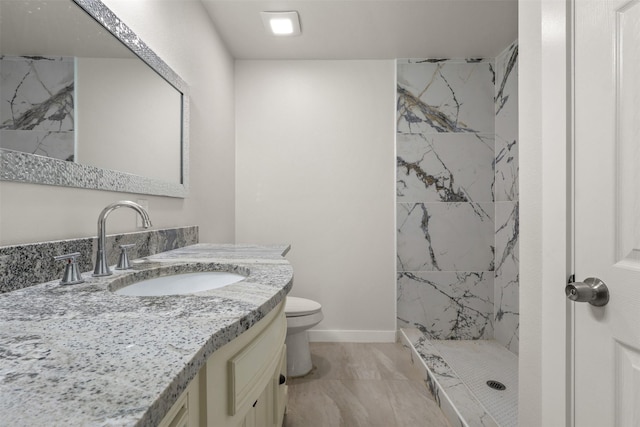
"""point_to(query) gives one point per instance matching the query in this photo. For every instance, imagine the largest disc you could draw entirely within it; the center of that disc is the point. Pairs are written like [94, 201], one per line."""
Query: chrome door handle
[592, 290]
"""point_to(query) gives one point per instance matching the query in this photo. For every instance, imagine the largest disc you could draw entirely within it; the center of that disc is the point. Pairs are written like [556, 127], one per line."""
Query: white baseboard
[316, 335]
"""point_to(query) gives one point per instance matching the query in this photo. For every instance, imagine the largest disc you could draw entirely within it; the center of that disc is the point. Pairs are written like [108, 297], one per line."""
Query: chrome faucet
[101, 267]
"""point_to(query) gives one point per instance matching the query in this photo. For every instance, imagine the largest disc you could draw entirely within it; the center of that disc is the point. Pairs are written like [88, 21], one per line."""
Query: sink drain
[496, 385]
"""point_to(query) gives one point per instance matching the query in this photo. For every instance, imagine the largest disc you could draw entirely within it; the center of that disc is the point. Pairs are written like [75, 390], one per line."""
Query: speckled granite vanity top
[83, 355]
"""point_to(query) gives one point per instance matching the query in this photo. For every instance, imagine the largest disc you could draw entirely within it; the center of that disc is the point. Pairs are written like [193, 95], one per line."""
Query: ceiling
[369, 29]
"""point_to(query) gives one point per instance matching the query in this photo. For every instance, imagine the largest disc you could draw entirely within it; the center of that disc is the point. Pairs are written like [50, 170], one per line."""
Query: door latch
[592, 290]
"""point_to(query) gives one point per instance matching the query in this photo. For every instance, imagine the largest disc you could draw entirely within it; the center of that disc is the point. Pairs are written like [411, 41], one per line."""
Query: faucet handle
[71, 273]
[123, 261]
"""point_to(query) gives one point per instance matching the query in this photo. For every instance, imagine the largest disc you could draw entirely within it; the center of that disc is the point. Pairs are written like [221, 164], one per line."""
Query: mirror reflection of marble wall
[37, 108]
[101, 107]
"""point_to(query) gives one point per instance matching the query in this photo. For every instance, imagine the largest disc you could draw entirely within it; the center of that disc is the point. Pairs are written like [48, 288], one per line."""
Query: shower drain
[496, 385]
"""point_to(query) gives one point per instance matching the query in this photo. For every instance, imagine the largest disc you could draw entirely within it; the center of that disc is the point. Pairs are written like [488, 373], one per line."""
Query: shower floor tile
[477, 362]
[456, 373]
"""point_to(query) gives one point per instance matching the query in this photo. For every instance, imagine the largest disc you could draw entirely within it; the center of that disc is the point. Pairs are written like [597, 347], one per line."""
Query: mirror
[85, 103]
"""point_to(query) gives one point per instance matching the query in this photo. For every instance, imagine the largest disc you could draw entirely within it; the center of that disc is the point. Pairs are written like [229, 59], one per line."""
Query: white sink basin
[178, 284]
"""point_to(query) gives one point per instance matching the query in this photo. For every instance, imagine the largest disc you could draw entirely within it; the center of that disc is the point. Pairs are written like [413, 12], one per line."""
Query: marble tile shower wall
[506, 290]
[37, 105]
[455, 218]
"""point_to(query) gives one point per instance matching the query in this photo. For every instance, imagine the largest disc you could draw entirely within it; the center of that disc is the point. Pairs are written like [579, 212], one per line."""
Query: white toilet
[302, 314]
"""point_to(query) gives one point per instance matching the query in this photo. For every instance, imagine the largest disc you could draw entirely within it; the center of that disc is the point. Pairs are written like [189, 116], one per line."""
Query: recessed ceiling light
[281, 23]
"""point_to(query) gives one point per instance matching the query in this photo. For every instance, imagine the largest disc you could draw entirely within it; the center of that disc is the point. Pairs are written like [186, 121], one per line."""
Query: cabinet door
[263, 408]
[280, 392]
[260, 414]
[250, 419]
[186, 411]
[242, 373]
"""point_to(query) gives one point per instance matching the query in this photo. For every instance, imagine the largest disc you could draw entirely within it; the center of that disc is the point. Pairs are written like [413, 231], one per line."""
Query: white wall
[315, 168]
[148, 112]
[544, 213]
[529, 391]
[181, 34]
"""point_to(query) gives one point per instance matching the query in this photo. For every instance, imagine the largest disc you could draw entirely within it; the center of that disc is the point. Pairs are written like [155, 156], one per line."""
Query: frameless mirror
[85, 103]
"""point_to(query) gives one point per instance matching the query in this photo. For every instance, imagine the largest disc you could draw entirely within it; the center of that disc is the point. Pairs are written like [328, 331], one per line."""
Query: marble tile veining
[457, 197]
[507, 82]
[447, 305]
[506, 169]
[445, 188]
[57, 145]
[37, 93]
[83, 355]
[445, 96]
[506, 106]
[445, 236]
[37, 105]
[450, 167]
[507, 295]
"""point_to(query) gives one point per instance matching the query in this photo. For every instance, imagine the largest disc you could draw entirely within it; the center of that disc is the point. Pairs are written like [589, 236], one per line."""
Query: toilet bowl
[302, 314]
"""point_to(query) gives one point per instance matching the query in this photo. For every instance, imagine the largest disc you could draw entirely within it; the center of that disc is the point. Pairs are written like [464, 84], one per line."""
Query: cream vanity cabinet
[243, 384]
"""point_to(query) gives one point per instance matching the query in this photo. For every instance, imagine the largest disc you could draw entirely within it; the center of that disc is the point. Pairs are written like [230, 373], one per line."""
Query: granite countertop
[83, 355]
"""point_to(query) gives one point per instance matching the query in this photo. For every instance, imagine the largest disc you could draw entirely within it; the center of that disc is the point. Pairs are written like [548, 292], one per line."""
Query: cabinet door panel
[280, 390]
[250, 369]
[231, 390]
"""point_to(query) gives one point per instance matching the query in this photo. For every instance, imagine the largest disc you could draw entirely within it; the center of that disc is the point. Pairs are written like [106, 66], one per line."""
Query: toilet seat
[296, 307]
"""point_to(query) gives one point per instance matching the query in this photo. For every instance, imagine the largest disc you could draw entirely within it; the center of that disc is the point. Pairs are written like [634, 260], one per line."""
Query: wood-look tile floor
[355, 384]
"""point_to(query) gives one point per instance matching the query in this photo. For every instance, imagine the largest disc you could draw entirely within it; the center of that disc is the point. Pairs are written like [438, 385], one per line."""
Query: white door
[607, 210]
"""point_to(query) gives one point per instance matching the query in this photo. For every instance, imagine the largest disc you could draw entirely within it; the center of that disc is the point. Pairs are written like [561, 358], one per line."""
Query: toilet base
[298, 354]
